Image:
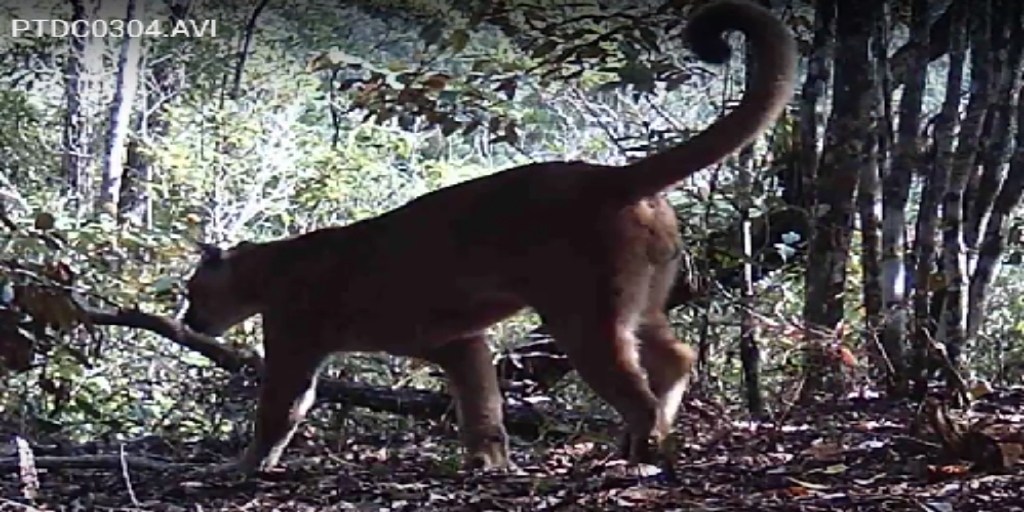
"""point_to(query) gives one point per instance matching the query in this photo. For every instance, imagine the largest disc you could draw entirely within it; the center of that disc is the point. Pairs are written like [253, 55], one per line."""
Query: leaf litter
[844, 455]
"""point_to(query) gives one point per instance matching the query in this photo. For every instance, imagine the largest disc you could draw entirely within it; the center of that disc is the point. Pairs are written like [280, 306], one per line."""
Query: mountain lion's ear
[209, 252]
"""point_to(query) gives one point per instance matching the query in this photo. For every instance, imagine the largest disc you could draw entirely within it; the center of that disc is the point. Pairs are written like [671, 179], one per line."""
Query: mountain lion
[591, 248]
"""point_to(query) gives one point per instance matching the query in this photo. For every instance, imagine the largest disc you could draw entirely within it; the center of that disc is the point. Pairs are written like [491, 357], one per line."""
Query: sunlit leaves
[458, 40]
[537, 47]
[334, 59]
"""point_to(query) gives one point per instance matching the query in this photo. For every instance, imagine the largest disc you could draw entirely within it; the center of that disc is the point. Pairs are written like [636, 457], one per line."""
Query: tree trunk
[954, 257]
[120, 116]
[76, 124]
[750, 352]
[846, 144]
[806, 165]
[934, 190]
[869, 196]
[998, 119]
[896, 189]
[134, 198]
[993, 244]
[244, 48]
[909, 58]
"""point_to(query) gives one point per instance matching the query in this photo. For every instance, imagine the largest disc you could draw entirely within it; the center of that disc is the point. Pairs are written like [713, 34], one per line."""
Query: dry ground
[845, 456]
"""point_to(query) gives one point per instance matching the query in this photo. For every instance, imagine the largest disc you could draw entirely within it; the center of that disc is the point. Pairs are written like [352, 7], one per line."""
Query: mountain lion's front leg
[287, 392]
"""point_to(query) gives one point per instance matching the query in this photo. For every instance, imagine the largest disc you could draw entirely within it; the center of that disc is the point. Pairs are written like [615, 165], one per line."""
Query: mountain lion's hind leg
[667, 361]
[473, 384]
[598, 339]
[668, 364]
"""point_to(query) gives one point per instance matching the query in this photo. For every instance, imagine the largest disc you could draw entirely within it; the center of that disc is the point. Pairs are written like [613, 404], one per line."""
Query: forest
[850, 282]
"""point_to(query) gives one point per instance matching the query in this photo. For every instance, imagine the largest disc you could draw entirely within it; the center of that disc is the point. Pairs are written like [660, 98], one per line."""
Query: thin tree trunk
[120, 116]
[934, 190]
[907, 59]
[954, 256]
[847, 141]
[869, 195]
[231, 88]
[245, 48]
[896, 189]
[996, 227]
[813, 89]
[76, 125]
[135, 199]
[996, 136]
[750, 352]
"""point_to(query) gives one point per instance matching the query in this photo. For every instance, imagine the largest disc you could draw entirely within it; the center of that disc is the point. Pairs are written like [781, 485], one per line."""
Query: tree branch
[230, 359]
[910, 55]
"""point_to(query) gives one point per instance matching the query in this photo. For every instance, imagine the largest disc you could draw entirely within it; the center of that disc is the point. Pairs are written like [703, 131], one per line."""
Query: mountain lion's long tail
[775, 55]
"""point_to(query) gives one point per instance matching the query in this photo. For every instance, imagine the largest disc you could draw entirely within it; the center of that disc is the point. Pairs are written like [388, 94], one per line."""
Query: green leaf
[163, 284]
[458, 40]
[431, 33]
[649, 38]
[544, 50]
[636, 74]
[448, 96]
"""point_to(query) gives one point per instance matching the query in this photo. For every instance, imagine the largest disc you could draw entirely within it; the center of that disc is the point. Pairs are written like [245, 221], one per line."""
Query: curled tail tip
[707, 27]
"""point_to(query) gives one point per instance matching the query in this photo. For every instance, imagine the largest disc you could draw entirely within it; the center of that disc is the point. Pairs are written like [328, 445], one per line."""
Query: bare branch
[230, 359]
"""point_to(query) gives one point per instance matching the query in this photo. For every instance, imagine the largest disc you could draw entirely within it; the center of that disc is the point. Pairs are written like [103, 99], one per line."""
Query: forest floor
[842, 456]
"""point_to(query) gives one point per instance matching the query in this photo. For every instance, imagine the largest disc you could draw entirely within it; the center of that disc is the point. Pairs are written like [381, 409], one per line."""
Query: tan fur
[591, 248]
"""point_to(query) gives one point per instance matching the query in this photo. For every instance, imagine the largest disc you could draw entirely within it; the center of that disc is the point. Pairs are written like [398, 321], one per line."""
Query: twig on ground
[122, 456]
[97, 462]
[5, 503]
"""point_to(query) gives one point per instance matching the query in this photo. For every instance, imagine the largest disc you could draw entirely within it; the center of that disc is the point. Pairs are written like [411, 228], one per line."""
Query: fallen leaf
[808, 485]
